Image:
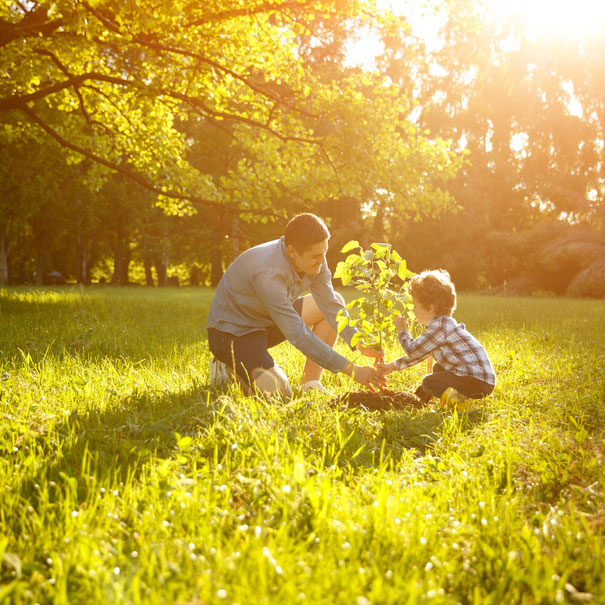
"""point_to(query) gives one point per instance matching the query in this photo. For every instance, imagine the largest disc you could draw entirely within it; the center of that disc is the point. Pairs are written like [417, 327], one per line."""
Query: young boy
[463, 369]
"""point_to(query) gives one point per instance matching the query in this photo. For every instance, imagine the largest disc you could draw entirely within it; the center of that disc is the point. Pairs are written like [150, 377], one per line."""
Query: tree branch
[147, 42]
[33, 24]
[266, 7]
[150, 41]
[133, 176]
[19, 102]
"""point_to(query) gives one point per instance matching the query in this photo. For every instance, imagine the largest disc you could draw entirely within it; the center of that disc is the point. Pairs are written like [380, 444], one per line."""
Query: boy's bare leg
[315, 319]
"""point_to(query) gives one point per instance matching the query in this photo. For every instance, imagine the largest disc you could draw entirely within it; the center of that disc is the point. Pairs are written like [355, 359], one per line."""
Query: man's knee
[272, 381]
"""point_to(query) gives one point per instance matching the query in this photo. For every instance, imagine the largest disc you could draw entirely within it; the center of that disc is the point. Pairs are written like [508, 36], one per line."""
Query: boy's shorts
[250, 350]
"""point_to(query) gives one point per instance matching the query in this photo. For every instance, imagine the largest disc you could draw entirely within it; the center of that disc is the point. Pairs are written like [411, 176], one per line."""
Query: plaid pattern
[451, 345]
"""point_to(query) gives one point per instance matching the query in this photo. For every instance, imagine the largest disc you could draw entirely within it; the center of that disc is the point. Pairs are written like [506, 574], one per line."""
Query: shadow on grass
[114, 445]
[376, 435]
[125, 435]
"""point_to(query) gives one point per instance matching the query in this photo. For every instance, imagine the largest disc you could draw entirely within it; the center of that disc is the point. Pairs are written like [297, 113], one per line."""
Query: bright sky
[572, 19]
[556, 19]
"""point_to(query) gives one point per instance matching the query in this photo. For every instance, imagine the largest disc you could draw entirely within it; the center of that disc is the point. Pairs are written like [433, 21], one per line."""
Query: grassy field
[123, 479]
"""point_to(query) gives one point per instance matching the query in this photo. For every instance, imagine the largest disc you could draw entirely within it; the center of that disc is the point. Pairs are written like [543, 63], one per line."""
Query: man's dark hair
[304, 231]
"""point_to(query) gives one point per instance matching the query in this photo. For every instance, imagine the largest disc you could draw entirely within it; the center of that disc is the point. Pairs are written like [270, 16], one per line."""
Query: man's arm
[272, 291]
[369, 377]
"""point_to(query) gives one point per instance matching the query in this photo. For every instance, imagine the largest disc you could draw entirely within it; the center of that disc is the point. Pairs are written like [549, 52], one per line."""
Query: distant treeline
[152, 147]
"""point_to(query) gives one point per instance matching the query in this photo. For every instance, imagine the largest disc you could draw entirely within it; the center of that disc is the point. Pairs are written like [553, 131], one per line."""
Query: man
[257, 305]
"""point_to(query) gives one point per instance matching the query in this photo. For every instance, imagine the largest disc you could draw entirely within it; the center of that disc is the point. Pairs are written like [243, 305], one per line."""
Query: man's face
[309, 261]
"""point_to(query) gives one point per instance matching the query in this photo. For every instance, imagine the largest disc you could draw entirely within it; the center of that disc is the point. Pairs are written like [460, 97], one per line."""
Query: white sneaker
[315, 385]
[218, 373]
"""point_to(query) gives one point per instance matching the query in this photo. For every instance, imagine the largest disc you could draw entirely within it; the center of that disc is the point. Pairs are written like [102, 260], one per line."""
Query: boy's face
[311, 260]
[423, 314]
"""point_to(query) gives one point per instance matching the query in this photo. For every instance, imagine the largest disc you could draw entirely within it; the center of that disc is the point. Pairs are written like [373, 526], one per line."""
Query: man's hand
[368, 377]
[400, 322]
[385, 368]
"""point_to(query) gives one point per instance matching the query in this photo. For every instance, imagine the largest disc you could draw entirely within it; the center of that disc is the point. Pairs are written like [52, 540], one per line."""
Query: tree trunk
[17, 269]
[161, 270]
[41, 262]
[216, 266]
[4, 250]
[82, 259]
[194, 276]
[378, 223]
[121, 258]
[161, 263]
[148, 264]
[92, 255]
[235, 237]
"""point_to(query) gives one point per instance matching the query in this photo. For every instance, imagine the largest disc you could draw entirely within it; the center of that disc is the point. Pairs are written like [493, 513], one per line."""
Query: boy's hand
[400, 322]
[385, 368]
[378, 354]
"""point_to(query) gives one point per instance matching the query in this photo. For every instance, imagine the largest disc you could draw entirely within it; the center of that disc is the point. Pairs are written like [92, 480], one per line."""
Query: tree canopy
[115, 82]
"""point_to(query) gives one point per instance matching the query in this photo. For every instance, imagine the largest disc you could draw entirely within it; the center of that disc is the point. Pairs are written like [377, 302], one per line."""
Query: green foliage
[122, 83]
[380, 274]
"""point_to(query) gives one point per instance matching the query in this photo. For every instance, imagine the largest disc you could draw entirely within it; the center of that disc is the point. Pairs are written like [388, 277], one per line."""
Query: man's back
[237, 306]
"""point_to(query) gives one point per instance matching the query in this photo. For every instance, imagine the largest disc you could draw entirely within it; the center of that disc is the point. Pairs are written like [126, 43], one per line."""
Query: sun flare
[577, 19]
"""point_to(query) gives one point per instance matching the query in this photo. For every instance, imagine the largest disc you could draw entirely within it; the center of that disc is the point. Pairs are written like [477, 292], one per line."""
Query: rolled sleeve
[273, 292]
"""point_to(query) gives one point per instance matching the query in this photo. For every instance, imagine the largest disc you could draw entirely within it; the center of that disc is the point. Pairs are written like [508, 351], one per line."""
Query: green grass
[123, 479]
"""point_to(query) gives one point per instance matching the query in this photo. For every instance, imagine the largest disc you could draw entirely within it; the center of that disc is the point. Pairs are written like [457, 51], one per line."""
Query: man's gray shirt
[258, 290]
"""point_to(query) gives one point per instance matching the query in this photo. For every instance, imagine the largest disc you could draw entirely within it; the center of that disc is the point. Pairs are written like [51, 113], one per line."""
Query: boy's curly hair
[434, 288]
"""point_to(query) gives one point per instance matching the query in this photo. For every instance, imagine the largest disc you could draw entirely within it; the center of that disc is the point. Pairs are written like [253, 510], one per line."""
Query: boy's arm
[419, 349]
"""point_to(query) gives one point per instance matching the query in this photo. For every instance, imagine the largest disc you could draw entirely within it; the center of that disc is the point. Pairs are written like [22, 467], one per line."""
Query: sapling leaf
[402, 270]
[372, 272]
[343, 322]
[350, 245]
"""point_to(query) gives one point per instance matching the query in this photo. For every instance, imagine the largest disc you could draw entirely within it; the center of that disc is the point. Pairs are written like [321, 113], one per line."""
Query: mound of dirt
[381, 400]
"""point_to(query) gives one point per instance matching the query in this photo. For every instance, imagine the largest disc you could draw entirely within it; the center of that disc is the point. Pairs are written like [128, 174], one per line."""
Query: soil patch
[381, 400]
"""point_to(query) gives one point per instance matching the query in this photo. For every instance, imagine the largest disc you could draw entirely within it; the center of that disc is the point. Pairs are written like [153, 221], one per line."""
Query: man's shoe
[218, 374]
[315, 385]
[454, 400]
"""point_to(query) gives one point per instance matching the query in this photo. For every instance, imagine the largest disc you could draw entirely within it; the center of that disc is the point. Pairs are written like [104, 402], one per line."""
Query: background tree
[506, 95]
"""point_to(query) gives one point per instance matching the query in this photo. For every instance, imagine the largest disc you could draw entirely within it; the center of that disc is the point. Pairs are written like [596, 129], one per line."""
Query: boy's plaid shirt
[452, 346]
